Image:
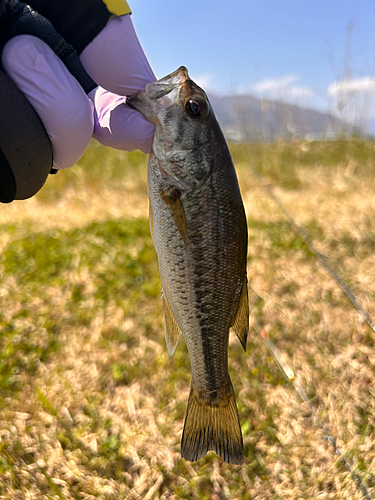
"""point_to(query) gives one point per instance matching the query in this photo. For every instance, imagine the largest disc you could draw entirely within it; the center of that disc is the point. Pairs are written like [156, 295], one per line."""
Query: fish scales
[197, 270]
[199, 231]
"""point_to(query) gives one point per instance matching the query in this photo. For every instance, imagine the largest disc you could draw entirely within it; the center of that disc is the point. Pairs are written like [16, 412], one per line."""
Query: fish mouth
[178, 76]
[165, 85]
[178, 84]
[141, 103]
[172, 89]
[133, 101]
[158, 89]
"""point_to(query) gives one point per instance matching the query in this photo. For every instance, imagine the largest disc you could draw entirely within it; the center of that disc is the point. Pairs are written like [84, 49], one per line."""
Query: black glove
[25, 149]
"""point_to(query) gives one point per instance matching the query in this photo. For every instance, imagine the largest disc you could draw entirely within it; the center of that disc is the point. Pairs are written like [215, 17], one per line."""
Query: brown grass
[91, 406]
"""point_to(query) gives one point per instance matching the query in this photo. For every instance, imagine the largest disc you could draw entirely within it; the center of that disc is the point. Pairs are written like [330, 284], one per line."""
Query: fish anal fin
[241, 321]
[171, 198]
[212, 426]
[171, 329]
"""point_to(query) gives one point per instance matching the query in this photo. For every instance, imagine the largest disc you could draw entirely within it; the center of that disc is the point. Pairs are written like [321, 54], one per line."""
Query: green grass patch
[91, 405]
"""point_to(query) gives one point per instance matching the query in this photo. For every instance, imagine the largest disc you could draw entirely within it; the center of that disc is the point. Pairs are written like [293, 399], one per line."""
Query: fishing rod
[280, 357]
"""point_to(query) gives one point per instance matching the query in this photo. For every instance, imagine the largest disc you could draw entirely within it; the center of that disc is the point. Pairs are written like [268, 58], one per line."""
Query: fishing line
[305, 237]
[288, 373]
[280, 357]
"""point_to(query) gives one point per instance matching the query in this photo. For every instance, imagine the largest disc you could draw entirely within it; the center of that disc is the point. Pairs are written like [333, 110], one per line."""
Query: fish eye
[195, 107]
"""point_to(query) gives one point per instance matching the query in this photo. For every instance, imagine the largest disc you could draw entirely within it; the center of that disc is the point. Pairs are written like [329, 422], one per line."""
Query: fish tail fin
[212, 425]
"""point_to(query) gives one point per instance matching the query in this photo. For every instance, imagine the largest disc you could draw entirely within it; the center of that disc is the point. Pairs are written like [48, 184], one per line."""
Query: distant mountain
[245, 118]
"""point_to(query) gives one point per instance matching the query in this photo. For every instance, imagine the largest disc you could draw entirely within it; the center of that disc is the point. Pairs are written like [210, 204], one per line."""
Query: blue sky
[308, 53]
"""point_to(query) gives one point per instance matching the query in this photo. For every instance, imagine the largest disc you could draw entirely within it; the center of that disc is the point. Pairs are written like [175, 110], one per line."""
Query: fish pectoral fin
[171, 198]
[241, 321]
[171, 329]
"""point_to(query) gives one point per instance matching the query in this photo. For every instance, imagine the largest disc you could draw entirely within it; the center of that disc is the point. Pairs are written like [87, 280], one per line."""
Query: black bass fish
[199, 231]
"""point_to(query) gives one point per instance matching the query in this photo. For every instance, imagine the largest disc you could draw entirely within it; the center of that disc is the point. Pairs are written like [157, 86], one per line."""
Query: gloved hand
[115, 61]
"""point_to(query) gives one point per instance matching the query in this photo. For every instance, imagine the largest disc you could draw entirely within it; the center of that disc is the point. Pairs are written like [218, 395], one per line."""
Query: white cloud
[274, 84]
[281, 88]
[299, 92]
[357, 85]
[353, 100]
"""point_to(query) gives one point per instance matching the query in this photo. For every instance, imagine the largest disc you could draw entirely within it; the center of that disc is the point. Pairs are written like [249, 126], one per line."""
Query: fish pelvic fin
[241, 321]
[212, 425]
[171, 329]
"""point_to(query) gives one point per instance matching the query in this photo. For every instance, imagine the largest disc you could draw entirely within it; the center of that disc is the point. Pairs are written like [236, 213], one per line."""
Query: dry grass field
[92, 407]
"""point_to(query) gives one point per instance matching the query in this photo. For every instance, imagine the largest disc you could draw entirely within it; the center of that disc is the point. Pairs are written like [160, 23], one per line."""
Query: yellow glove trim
[118, 7]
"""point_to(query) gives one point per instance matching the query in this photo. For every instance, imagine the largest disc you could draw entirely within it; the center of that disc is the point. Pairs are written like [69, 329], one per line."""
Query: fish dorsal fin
[171, 198]
[171, 328]
[241, 321]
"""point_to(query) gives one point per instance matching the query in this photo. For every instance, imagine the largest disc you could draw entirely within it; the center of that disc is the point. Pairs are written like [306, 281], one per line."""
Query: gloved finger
[117, 125]
[115, 59]
[62, 105]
